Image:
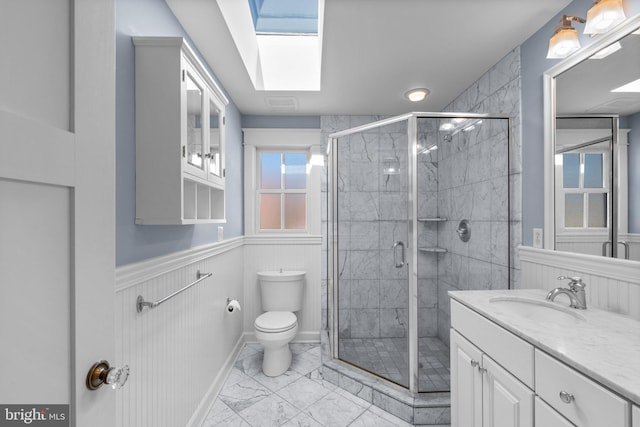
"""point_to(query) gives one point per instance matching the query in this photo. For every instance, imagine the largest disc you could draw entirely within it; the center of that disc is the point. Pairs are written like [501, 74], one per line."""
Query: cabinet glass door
[195, 140]
[215, 148]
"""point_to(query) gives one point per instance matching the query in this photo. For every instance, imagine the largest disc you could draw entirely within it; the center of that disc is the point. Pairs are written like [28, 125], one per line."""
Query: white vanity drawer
[513, 353]
[546, 416]
[591, 405]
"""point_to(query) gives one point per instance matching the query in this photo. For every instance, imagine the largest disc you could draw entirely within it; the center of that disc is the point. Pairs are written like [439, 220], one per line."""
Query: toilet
[281, 295]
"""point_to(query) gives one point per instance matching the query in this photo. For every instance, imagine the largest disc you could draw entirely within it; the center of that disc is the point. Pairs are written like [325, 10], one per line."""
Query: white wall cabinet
[483, 352]
[483, 393]
[180, 121]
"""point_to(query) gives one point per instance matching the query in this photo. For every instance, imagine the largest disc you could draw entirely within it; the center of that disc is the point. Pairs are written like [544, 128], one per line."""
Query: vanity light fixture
[603, 16]
[417, 94]
[565, 38]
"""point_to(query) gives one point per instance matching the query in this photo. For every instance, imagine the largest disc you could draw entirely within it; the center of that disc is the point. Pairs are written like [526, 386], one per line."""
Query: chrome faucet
[575, 292]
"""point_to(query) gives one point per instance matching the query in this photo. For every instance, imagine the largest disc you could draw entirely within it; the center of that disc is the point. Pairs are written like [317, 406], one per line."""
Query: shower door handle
[395, 254]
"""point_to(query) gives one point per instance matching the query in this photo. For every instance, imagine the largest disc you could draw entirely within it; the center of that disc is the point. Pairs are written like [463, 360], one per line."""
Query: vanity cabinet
[521, 383]
[635, 416]
[180, 121]
[483, 393]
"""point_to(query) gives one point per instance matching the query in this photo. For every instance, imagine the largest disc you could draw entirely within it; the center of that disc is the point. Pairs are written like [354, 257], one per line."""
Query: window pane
[573, 210]
[593, 171]
[571, 170]
[270, 170]
[270, 212]
[295, 175]
[597, 210]
[295, 211]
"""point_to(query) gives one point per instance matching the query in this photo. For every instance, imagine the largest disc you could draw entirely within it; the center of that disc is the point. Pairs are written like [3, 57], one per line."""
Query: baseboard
[210, 396]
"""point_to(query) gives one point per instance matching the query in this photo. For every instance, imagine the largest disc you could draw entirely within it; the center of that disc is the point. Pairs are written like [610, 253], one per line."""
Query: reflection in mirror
[597, 137]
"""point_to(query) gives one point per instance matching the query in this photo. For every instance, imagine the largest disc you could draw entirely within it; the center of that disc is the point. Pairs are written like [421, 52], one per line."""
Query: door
[57, 139]
[506, 401]
[466, 383]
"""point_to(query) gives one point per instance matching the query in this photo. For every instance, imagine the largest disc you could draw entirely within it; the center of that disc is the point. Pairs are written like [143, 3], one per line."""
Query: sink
[538, 310]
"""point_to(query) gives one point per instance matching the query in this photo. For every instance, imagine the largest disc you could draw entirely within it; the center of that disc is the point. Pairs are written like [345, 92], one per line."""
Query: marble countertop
[602, 345]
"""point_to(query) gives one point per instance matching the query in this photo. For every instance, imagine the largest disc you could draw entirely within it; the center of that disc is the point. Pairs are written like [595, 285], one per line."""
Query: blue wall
[534, 63]
[291, 122]
[137, 242]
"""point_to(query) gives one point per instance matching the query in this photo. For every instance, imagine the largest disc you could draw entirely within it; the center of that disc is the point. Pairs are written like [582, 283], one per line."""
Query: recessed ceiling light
[417, 95]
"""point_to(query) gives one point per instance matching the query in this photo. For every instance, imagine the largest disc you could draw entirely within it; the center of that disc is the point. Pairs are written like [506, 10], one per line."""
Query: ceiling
[586, 88]
[376, 50]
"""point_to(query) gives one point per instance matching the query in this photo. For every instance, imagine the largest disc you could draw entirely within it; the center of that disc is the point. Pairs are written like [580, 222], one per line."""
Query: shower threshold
[421, 409]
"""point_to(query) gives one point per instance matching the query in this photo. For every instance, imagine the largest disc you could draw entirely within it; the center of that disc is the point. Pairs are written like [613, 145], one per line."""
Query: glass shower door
[372, 229]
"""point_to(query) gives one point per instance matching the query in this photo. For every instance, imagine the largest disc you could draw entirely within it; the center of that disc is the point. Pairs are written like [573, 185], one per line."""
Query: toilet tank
[281, 290]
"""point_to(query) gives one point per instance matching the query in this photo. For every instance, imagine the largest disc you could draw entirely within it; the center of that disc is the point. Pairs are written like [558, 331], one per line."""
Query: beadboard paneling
[288, 253]
[612, 284]
[180, 352]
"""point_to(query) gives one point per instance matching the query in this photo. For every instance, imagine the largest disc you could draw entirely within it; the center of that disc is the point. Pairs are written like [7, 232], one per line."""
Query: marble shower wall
[473, 183]
[377, 305]
[372, 216]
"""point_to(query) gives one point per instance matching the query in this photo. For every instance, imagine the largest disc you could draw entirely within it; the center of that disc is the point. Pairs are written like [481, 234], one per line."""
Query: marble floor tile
[270, 411]
[301, 397]
[334, 410]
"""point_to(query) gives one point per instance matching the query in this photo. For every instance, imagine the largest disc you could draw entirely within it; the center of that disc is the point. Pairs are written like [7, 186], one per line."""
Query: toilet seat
[276, 321]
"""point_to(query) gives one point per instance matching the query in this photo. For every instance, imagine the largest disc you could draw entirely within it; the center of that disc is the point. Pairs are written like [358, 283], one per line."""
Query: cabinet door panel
[506, 401]
[466, 383]
[546, 416]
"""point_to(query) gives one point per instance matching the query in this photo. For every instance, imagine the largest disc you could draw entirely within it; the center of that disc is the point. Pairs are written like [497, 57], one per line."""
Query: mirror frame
[549, 102]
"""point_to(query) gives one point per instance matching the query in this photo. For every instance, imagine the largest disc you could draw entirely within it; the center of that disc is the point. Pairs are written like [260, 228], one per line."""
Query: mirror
[592, 143]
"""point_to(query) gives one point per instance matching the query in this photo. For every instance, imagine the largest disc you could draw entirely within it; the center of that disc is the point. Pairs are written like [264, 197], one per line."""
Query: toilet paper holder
[232, 305]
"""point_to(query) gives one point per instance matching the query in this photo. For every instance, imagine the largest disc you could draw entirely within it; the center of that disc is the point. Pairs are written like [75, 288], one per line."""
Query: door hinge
[224, 172]
[184, 151]
[224, 120]
[183, 75]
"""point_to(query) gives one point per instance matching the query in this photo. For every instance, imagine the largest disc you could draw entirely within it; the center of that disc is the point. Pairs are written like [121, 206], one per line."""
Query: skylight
[279, 41]
[285, 16]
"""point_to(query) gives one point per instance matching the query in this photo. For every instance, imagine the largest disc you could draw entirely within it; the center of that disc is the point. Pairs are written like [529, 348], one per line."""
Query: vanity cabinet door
[506, 401]
[466, 383]
[546, 416]
[635, 416]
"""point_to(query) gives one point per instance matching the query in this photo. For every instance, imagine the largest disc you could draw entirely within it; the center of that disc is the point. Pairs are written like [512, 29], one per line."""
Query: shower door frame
[412, 224]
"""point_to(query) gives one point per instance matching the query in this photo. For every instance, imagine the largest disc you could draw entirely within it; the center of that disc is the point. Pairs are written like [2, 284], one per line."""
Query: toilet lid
[276, 321]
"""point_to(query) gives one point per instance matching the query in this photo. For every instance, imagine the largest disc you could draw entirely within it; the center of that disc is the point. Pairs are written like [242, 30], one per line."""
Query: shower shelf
[432, 219]
[434, 249]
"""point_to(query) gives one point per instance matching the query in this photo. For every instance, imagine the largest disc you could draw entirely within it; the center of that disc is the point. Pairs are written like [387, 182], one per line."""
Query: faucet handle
[574, 282]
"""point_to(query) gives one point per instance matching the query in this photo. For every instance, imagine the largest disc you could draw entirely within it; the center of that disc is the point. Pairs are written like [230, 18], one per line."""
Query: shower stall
[417, 205]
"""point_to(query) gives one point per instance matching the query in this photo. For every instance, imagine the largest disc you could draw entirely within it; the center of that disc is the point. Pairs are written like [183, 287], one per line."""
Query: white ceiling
[376, 50]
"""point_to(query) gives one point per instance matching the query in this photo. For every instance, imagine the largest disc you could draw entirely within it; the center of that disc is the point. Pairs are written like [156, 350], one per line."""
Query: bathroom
[181, 353]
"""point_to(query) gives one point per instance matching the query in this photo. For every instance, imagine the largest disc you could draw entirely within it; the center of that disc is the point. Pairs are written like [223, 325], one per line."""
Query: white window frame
[282, 190]
[257, 140]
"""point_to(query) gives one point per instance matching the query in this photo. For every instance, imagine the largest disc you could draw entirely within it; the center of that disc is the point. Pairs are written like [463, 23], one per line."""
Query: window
[282, 190]
[583, 190]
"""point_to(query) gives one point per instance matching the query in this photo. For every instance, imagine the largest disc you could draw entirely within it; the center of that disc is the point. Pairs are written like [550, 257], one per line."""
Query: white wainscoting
[263, 253]
[181, 351]
[612, 284]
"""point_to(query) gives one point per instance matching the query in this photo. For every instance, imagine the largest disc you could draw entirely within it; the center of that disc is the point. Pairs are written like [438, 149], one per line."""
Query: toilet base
[276, 361]
[277, 355]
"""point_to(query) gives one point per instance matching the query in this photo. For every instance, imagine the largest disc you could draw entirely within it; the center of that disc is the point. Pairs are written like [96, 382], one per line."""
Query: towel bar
[141, 303]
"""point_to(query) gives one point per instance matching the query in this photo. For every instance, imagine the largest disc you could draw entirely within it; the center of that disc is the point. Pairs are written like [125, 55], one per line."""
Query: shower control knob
[101, 373]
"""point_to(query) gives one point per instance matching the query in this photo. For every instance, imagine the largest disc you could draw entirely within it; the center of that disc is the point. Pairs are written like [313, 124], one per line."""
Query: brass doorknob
[101, 373]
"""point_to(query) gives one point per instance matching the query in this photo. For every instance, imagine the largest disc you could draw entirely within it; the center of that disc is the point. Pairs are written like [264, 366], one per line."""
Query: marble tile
[280, 381]
[364, 264]
[364, 234]
[270, 411]
[234, 421]
[305, 362]
[434, 415]
[394, 293]
[251, 364]
[365, 323]
[219, 412]
[334, 410]
[303, 392]
[243, 394]
[399, 409]
[302, 420]
[394, 322]
[365, 294]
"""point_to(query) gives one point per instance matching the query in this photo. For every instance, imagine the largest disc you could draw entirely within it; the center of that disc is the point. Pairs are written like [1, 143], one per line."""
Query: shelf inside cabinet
[432, 219]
